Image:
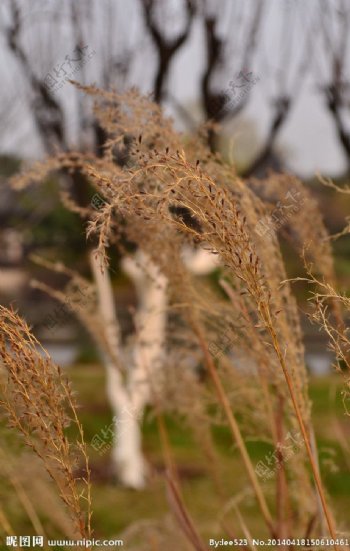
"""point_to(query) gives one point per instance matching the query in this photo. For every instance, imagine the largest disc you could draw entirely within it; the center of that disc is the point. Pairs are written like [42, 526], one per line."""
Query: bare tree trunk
[334, 104]
[128, 396]
[165, 47]
[150, 319]
[261, 162]
[127, 454]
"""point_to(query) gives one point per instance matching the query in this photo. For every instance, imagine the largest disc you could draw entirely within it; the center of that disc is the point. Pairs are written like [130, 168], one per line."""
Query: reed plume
[40, 406]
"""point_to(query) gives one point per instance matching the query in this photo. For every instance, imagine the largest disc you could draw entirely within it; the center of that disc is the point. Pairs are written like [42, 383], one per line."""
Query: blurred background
[275, 77]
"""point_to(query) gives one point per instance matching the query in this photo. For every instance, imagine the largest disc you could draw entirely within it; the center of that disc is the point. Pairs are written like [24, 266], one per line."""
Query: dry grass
[178, 194]
[40, 405]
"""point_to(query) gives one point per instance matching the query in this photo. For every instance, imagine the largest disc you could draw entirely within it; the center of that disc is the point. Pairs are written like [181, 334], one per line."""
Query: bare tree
[284, 83]
[234, 49]
[237, 50]
[166, 47]
[334, 27]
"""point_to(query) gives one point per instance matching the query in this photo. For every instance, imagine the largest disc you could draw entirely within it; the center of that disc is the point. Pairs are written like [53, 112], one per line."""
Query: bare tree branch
[48, 114]
[166, 48]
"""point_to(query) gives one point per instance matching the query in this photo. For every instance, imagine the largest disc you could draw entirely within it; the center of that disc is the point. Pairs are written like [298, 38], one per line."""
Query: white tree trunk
[148, 348]
[150, 319]
[129, 397]
[127, 452]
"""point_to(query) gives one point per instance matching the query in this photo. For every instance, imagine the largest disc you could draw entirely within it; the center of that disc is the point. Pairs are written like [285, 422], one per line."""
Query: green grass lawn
[115, 507]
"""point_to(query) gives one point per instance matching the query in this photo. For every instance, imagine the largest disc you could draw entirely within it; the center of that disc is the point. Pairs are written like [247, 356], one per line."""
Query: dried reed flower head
[40, 405]
[326, 303]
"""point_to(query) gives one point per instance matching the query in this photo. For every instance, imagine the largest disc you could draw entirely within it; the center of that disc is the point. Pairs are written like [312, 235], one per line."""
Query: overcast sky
[309, 133]
[308, 136]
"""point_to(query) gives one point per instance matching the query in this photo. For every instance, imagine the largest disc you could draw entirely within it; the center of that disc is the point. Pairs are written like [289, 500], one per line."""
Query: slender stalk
[246, 532]
[267, 319]
[173, 486]
[281, 488]
[262, 365]
[5, 524]
[172, 478]
[27, 505]
[182, 515]
[319, 503]
[234, 429]
[231, 534]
